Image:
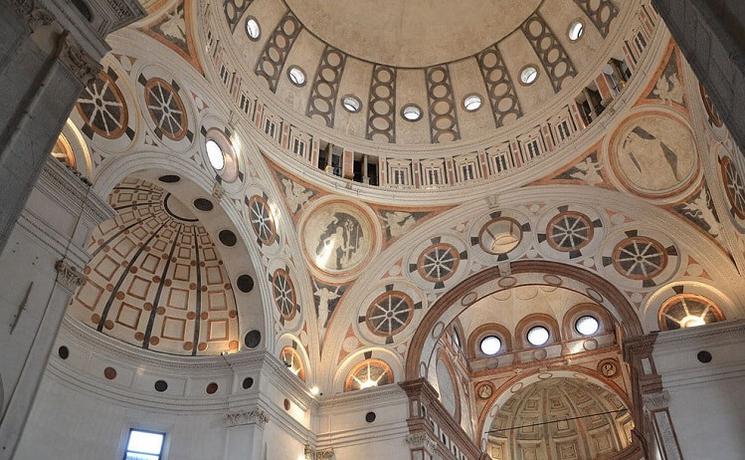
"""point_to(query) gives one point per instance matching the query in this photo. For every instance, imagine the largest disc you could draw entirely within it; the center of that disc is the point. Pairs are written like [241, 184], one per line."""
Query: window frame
[163, 447]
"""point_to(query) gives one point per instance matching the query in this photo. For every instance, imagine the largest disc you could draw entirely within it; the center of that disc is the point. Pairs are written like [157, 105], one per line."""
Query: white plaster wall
[706, 400]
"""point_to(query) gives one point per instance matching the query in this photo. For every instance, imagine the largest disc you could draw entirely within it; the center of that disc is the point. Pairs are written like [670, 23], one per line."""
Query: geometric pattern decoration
[260, 218]
[549, 50]
[569, 233]
[234, 10]
[601, 13]
[273, 57]
[381, 107]
[443, 119]
[155, 278]
[103, 108]
[499, 87]
[641, 260]
[166, 109]
[389, 313]
[437, 260]
[285, 297]
[291, 358]
[322, 101]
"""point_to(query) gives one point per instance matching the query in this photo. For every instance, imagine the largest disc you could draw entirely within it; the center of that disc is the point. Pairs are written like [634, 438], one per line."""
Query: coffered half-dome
[418, 72]
[156, 278]
[564, 418]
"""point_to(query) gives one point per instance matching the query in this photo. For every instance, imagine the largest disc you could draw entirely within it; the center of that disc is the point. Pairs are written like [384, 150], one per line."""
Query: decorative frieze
[250, 417]
[77, 61]
[319, 454]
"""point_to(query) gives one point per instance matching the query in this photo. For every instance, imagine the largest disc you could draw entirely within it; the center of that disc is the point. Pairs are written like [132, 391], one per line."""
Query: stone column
[40, 269]
[245, 434]
[48, 51]
[711, 35]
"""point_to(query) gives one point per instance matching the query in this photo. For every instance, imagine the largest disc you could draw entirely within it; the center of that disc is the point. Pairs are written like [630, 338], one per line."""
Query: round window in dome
[215, 154]
[472, 103]
[253, 30]
[538, 335]
[351, 103]
[490, 345]
[296, 75]
[576, 30]
[587, 325]
[529, 75]
[411, 112]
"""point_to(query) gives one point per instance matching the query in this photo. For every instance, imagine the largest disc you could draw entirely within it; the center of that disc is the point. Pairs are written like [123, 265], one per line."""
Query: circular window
[490, 345]
[296, 75]
[529, 75]
[368, 374]
[166, 109]
[252, 28]
[215, 154]
[576, 30]
[472, 103]
[411, 112]
[587, 325]
[284, 294]
[688, 310]
[500, 236]
[538, 335]
[351, 103]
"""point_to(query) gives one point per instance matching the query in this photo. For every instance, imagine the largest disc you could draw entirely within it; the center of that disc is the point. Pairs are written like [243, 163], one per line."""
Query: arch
[487, 329]
[537, 319]
[490, 280]
[604, 317]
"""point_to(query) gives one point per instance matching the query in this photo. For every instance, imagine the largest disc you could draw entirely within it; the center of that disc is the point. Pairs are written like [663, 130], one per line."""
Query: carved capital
[319, 454]
[77, 61]
[656, 401]
[34, 15]
[218, 191]
[253, 416]
[421, 440]
[68, 276]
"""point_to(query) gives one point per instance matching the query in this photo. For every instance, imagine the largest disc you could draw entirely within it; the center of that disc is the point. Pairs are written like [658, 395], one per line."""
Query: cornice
[683, 340]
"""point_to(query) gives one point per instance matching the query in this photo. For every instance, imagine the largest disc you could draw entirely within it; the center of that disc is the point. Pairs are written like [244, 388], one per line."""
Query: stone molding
[78, 62]
[319, 454]
[68, 276]
[421, 440]
[251, 417]
[656, 401]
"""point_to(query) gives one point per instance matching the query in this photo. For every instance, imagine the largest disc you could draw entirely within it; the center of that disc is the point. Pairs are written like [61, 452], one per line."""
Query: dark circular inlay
[109, 373]
[287, 404]
[704, 356]
[253, 339]
[245, 283]
[248, 382]
[161, 386]
[227, 238]
[203, 204]
[370, 417]
[211, 388]
[169, 178]
[63, 352]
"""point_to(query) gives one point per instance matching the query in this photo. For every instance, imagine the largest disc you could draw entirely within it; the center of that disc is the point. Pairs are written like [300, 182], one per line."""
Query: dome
[586, 421]
[156, 279]
[357, 69]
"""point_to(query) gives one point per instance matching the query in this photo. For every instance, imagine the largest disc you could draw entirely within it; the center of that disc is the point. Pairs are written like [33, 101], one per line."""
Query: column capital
[68, 276]
[81, 64]
[656, 401]
[34, 15]
[254, 416]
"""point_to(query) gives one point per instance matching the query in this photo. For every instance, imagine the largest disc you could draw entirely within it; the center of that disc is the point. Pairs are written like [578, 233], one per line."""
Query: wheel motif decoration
[688, 310]
[639, 258]
[438, 262]
[102, 107]
[166, 109]
[260, 217]
[569, 231]
[389, 313]
[367, 374]
[734, 186]
[284, 294]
